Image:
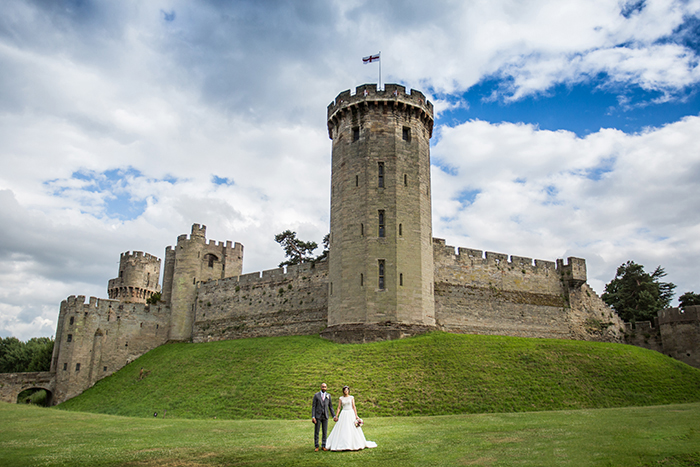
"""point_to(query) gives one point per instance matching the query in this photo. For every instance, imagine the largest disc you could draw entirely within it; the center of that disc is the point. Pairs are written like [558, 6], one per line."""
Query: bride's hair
[346, 387]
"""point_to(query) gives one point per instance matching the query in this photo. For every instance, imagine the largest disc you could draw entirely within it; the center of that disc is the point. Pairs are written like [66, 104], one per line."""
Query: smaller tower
[195, 260]
[138, 280]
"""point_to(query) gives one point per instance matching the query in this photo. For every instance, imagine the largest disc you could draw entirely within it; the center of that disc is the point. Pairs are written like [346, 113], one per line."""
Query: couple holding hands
[347, 433]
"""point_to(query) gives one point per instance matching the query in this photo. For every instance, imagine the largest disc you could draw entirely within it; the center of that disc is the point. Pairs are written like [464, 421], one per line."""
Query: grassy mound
[433, 374]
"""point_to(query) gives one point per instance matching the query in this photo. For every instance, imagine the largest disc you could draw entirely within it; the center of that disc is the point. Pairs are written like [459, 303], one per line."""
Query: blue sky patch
[216, 180]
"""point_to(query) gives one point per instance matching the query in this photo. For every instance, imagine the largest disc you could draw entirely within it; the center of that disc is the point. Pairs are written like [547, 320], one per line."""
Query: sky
[562, 128]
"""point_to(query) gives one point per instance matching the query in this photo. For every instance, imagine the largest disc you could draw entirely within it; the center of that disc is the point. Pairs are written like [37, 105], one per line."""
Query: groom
[320, 406]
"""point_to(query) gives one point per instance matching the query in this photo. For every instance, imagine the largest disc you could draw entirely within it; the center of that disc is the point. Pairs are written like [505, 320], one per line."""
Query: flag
[370, 59]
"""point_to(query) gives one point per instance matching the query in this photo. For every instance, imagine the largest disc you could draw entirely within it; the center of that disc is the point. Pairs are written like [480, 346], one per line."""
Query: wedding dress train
[345, 436]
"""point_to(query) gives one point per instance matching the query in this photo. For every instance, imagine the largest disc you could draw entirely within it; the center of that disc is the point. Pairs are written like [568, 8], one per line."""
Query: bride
[346, 434]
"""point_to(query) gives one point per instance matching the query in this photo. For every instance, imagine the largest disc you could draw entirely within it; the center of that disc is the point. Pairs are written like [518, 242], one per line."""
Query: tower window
[362, 280]
[380, 175]
[407, 134]
[65, 366]
[400, 230]
[121, 274]
[77, 367]
[356, 133]
[405, 180]
[381, 223]
[70, 338]
[401, 279]
[381, 274]
[357, 180]
[72, 319]
[362, 230]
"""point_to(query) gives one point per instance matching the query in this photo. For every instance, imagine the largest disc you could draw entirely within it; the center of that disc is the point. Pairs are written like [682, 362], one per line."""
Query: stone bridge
[11, 384]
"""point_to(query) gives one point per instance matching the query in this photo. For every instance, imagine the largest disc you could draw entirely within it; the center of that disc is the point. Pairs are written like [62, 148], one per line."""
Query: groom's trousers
[318, 424]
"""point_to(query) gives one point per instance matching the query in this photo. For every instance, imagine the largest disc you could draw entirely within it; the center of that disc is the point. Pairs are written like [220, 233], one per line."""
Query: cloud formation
[121, 124]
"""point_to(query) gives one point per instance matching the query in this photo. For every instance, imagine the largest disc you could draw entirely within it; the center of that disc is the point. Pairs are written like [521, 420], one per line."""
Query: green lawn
[633, 436]
[433, 374]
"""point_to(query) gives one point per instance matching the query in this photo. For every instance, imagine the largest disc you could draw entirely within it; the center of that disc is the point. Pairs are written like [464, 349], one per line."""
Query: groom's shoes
[325, 449]
[316, 449]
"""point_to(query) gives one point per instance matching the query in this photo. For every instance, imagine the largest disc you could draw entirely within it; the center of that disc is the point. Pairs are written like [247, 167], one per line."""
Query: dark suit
[320, 409]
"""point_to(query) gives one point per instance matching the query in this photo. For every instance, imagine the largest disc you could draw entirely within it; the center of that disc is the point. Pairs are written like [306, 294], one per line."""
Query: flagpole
[380, 70]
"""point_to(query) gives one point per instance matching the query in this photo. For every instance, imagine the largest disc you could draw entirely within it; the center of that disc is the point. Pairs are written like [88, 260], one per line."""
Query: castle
[386, 277]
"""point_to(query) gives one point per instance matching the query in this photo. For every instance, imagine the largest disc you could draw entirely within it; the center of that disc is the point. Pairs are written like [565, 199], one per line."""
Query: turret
[138, 280]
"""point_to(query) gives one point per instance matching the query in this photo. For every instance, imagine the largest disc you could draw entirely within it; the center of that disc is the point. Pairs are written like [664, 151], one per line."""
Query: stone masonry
[385, 277]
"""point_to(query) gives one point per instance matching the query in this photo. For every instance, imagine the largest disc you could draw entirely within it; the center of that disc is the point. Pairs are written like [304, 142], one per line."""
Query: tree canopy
[637, 295]
[298, 251]
[17, 356]
[689, 299]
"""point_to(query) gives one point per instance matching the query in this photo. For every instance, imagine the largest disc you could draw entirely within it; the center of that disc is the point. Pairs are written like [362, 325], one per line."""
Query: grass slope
[433, 374]
[634, 436]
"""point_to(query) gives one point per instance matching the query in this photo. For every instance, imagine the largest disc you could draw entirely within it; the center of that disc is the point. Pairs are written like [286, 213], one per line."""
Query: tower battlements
[393, 96]
[138, 280]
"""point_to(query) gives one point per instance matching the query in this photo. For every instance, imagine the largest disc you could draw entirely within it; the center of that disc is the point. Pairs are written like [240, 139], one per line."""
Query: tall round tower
[381, 257]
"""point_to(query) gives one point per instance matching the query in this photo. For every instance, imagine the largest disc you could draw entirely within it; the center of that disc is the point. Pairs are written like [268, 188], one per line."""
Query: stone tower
[381, 258]
[139, 278]
[195, 260]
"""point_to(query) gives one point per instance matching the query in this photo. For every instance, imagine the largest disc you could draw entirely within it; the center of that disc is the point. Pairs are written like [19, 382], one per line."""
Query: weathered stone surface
[138, 278]
[380, 173]
[11, 384]
[276, 304]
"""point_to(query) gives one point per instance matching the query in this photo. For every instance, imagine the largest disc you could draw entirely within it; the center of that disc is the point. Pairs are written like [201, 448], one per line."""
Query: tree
[637, 295]
[326, 247]
[297, 251]
[689, 299]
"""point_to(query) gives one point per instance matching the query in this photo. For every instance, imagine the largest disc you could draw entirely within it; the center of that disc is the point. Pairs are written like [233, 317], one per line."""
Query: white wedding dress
[345, 436]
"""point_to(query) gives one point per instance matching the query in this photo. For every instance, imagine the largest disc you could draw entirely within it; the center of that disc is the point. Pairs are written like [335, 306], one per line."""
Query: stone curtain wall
[95, 339]
[274, 304]
[498, 294]
[479, 294]
[680, 333]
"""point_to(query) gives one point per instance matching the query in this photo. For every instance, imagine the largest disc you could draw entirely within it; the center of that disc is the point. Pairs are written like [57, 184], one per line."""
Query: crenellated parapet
[392, 97]
[689, 314]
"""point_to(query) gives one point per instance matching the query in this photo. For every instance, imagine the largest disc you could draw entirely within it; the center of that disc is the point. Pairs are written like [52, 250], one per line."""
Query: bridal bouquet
[359, 423]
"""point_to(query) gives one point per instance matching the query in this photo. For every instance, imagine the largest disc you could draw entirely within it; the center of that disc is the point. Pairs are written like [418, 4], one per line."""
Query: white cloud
[89, 91]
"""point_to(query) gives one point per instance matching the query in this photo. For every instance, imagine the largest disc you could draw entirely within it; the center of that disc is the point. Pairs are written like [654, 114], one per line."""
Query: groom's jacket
[320, 407]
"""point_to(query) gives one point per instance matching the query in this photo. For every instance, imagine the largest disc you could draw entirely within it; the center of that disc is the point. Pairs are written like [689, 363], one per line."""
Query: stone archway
[12, 384]
[23, 398]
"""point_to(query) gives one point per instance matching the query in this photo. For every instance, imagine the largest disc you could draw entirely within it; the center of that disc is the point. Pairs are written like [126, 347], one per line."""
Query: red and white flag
[370, 59]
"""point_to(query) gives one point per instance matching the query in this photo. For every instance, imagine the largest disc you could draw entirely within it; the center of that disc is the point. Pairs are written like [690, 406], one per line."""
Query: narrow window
[121, 274]
[362, 280]
[381, 274]
[380, 175]
[407, 134]
[331, 288]
[70, 338]
[72, 319]
[357, 180]
[77, 367]
[104, 368]
[194, 280]
[400, 230]
[381, 223]
[65, 366]
[362, 230]
[211, 260]
[405, 180]
[401, 279]
[356, 133]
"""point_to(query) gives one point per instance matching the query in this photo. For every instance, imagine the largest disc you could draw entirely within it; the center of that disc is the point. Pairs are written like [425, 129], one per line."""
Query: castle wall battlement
[393, 95]
[677, 315]
[271, 303]
[137, 255]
